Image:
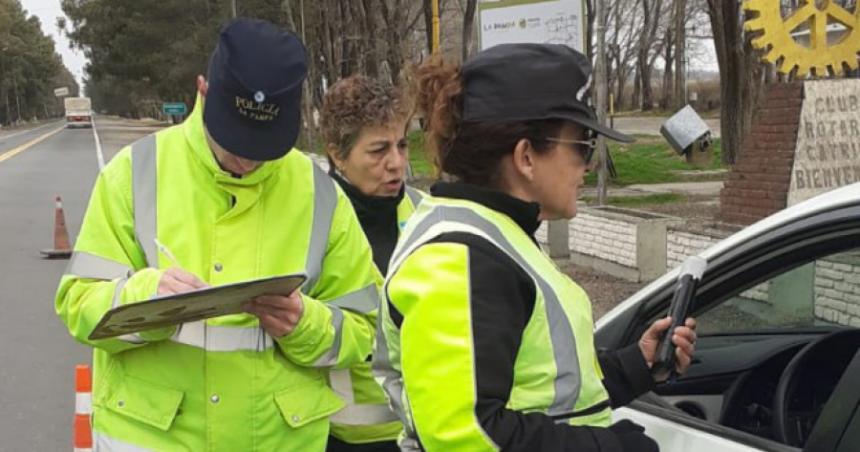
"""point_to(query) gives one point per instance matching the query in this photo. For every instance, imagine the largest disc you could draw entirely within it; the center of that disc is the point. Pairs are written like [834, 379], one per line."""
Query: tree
[741, 74]
[651, 14]
[622, 28]
[671, 38]
[140, 56]
[29, 67]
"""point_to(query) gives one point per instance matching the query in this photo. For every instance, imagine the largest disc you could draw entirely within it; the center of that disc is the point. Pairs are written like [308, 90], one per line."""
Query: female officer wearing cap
[225, 193]
[486, 344]
[364, 125]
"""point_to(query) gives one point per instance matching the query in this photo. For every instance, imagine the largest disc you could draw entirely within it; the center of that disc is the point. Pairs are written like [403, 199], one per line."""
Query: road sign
[174, 108]
[61, 91]
[540, 21]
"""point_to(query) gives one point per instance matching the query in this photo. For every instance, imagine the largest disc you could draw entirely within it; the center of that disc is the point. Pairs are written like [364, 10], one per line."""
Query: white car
[776, 366]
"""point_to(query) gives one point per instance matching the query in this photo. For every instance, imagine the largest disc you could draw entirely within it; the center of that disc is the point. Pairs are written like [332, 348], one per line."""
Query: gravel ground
[605, 291]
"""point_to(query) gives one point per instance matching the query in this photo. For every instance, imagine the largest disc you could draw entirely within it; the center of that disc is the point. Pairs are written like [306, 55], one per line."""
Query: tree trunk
[344, 27]
[373, 44]
[740, 76]
[619, 90]
[468, 26]
[308, 88]
[327, 43]
[650, 12]
[395, 33]
[645, 80]
[667, 101]
[636, 100]
[680, 54]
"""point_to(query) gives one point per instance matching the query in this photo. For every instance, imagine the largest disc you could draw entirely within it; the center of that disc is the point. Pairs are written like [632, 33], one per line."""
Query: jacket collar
[525, 214]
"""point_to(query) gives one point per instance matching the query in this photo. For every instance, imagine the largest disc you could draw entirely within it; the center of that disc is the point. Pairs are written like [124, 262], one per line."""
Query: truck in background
[79, 112]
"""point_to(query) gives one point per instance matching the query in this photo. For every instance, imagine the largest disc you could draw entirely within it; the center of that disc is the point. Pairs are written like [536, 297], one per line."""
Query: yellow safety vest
[556, 371]
[224, 383]
[367, 417]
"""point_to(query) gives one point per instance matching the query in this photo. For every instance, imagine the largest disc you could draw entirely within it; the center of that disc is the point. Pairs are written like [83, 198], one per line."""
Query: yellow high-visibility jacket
[224, 383]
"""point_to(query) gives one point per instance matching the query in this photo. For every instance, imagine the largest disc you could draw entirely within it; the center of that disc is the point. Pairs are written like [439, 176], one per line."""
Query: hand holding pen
[175, 280]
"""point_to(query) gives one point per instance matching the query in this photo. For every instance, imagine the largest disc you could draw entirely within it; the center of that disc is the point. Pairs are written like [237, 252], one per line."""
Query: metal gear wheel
[782, 48]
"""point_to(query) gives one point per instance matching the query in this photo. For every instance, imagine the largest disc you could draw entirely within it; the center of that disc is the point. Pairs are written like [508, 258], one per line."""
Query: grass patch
[421, 166]
[650, 160]
[639, 201]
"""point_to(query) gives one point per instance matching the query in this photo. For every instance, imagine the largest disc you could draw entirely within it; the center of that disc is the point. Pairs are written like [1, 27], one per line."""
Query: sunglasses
[586, 147]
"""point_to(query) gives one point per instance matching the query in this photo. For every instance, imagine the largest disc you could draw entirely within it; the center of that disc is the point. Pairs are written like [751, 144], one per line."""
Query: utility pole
[302, 13]
[233, 6]
[601, 83]
[435, 43]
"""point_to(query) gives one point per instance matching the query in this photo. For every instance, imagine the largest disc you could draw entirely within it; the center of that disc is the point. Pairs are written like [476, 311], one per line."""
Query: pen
[166, 252]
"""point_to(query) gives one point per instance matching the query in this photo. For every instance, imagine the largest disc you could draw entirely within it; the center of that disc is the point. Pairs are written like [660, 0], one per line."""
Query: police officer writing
[486, 344]
[364, 126]
[225, 193]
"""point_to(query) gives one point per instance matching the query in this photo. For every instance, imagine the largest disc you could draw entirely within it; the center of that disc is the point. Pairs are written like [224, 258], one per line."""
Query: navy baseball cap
[522, 82]
[253, 105]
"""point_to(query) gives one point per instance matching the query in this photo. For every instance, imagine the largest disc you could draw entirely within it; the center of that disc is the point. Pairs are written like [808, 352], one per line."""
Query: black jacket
[378, 218]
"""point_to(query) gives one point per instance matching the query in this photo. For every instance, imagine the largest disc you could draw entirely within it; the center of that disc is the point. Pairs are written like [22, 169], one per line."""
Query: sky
[48, 11]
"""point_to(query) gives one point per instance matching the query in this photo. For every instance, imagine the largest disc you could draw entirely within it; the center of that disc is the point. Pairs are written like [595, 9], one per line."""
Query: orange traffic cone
[83, 435]
[62, 248]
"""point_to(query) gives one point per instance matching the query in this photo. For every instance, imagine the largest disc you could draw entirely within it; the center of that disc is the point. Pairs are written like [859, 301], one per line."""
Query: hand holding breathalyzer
[668, 344]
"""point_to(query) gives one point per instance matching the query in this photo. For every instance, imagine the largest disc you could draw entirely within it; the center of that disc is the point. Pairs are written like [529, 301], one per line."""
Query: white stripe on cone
[83, 403]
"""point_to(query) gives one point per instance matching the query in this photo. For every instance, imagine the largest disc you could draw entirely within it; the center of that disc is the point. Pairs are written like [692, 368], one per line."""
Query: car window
[825, 292]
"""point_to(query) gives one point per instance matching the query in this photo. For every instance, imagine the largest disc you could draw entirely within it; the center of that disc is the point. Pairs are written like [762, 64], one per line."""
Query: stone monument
[805, 137]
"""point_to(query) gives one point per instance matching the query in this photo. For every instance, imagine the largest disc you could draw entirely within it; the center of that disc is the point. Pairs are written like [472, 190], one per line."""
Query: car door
[778, 262]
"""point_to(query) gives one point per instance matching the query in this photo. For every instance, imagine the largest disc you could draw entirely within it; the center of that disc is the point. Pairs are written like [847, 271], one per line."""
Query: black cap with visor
[511, 82]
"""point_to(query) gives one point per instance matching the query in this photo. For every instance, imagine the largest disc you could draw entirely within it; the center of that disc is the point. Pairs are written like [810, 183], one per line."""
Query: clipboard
[187, 307]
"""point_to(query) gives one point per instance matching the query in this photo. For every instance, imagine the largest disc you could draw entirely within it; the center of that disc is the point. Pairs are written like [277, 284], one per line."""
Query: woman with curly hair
[364, 124]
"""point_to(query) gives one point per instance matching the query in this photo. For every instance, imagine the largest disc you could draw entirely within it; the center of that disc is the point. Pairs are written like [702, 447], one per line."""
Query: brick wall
[758, 183]
[692, 238]
[608, 239]
[837, 291]
[681, 244]
[591, 233]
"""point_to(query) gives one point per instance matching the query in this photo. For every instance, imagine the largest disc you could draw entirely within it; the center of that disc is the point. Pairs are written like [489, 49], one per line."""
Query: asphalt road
[37, 355]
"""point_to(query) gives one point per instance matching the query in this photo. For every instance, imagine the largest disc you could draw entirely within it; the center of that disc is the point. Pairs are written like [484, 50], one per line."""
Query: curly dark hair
[357, 102]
